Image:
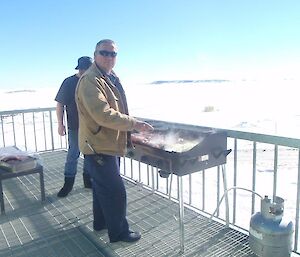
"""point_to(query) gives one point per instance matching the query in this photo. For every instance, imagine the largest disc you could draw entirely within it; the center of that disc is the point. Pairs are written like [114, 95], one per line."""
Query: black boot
[87, 180]
[67, 188]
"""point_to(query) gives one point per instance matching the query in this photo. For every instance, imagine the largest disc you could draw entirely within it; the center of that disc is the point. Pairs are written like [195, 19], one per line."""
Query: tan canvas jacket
[102, 108]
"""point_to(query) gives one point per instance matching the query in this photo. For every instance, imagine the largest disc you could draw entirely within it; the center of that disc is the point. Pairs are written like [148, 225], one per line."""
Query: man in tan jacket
[104, 134]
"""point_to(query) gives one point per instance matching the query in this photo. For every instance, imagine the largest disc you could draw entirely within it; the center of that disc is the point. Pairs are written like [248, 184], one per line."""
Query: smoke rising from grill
[174, 142]
[171, 140]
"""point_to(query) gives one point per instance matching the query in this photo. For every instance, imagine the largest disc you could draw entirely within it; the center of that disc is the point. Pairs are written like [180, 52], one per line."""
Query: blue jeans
[73, 155]
[109, 195]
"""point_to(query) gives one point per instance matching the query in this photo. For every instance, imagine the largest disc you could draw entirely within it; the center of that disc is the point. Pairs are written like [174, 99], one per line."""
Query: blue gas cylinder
[269, 234]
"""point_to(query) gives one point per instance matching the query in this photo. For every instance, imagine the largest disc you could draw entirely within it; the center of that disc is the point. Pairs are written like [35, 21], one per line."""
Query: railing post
[297, 207]
[275, 171]
[34, 131]
[14, 130]
[24, 130]
[234, 179]
[203, 190]
[2, 129]
[51, 130]
[44, 130]
[253, 177]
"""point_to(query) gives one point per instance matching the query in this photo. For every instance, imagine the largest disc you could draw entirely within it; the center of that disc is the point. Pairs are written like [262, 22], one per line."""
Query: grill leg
[42, 185]
[152, 177]
[181, 214]
[170, 186]
[2, 198]
[225, 193]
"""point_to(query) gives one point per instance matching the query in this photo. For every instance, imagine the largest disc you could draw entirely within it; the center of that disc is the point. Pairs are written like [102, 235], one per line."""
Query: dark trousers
[73, 155]
[109, 195]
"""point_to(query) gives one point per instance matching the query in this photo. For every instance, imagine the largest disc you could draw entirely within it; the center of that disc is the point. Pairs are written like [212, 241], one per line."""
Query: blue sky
[157, 39]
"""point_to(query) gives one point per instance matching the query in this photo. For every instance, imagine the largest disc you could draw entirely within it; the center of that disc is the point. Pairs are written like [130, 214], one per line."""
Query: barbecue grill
[178, 151]
[181, 149]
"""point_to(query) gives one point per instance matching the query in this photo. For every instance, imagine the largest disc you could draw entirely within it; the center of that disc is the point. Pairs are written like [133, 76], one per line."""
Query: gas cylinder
[269, 234]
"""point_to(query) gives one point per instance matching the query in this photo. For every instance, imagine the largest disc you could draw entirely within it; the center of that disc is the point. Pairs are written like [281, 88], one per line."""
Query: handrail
[3, 113]
[251, 136]
[27, 125]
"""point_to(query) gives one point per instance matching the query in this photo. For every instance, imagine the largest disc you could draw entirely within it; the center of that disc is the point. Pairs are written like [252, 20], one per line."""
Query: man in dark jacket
[66, 101]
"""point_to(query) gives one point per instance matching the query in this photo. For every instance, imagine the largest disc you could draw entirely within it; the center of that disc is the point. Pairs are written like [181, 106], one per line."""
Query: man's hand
[142, 126]
[60, 119]
[61, 130]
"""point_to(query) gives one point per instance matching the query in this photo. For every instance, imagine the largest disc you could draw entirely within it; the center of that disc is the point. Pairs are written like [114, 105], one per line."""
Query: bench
[4, 174]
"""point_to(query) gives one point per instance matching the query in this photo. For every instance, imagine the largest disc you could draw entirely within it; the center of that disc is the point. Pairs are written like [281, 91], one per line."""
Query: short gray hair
[105, 41]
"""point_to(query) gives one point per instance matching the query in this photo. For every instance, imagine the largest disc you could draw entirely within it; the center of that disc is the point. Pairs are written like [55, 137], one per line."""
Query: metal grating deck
[63, 227]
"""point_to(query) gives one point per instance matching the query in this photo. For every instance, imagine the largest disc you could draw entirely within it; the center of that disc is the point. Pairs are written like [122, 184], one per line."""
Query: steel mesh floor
[63, 227]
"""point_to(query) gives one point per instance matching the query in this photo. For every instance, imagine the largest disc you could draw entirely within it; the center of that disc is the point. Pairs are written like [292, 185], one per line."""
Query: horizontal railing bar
[263, 138]
[27, 111]
[250, 136]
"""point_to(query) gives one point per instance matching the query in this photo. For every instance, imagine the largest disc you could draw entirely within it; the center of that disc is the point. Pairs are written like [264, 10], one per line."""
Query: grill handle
[218, 153]
[164, 174]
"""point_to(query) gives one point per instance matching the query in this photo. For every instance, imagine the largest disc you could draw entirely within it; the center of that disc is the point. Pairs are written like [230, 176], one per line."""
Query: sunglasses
[106, 53]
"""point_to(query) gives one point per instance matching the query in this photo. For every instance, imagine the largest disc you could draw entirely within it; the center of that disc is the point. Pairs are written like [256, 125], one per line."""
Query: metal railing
[31, 130]
[264, 164]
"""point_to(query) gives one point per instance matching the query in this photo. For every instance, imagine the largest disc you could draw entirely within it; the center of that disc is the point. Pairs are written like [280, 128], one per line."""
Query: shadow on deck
[63, 227]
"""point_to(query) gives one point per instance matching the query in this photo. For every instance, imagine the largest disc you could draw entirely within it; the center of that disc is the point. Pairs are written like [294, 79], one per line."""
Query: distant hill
[20, 91]
[157, 82]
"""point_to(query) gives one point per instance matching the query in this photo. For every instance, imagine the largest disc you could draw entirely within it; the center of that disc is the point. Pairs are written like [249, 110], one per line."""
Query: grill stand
[226, 195]
[181, 215]
[181, 203]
